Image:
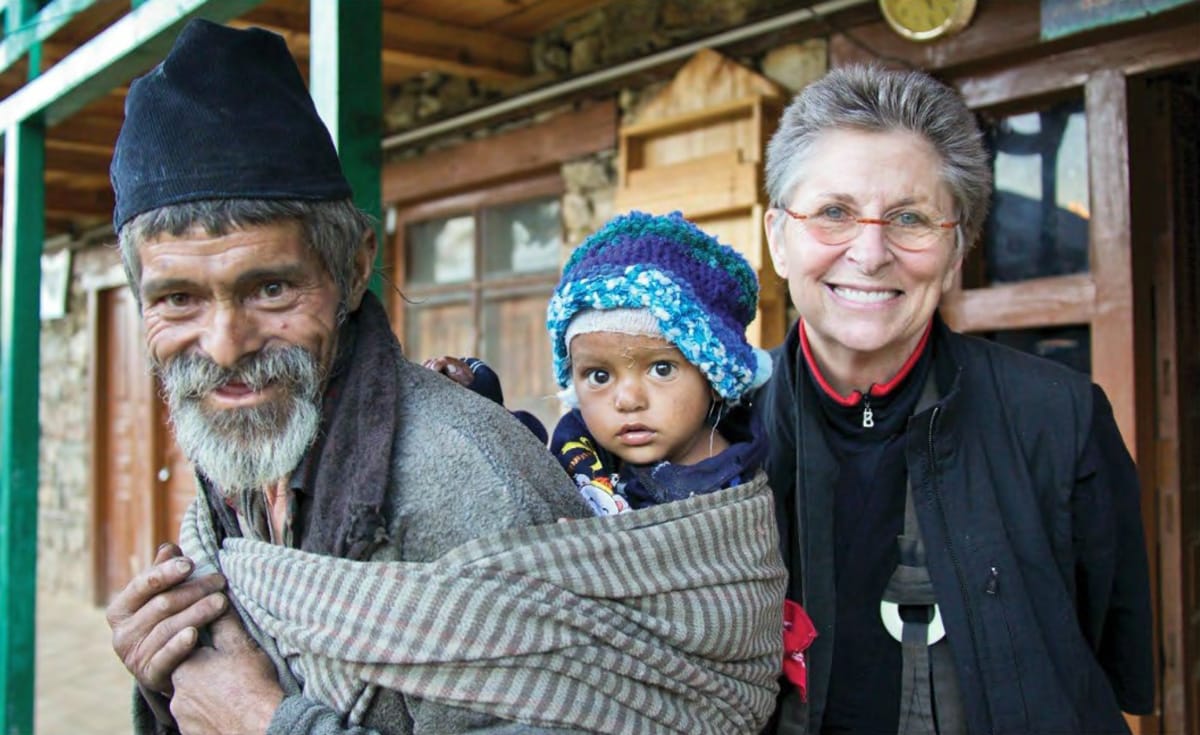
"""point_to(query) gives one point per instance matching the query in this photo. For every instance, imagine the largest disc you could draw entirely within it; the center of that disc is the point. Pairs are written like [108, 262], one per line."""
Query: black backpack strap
[930, 702]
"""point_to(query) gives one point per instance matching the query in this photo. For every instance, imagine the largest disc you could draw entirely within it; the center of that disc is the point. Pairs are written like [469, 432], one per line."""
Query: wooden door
[124, 531]
[142, 483]
[175, 482]
[1166, 207]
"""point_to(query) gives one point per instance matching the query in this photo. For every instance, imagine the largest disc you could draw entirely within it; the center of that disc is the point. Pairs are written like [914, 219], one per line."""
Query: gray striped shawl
[667, 619]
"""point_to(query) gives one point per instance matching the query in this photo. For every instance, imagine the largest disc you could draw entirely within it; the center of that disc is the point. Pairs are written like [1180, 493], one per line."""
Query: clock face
[925, 20]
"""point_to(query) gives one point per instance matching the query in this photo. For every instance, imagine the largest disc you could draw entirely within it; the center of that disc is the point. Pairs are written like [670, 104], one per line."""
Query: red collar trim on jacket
[876, 389]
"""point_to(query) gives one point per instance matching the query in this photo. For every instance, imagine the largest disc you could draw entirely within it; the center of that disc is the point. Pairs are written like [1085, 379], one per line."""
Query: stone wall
[587, 202]
[64, 554]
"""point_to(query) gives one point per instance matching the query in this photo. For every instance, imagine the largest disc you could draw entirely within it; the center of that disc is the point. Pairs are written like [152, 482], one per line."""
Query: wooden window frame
[546, 184]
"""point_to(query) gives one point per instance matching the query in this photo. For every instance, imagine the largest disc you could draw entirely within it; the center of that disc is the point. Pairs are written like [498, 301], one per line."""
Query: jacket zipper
[958, 572]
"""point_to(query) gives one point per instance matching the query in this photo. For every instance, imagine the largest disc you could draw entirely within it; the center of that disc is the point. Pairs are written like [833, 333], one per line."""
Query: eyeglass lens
[912, 236]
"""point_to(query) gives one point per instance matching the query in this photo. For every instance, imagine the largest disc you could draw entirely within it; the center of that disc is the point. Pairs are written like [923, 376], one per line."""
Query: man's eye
[662, 369]
[273, 289]
[177, 300]
[596, 377]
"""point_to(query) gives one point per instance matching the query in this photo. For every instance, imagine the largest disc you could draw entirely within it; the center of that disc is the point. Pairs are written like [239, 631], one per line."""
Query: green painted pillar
[24, 195]
[19, 350]
[346, 81]
[20, 332]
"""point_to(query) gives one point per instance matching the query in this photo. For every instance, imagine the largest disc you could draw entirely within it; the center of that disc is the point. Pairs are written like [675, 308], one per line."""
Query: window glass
[1069, 345]
[1038, 223]
[442, 250]
[522, 238]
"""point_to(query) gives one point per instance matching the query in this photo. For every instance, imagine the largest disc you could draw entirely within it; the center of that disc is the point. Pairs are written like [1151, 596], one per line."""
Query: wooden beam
[86, 131]
[408, 58]
[130, 46]
[533, 17]
[414, 43]
[1037, 302]
[88, 202]
[75, 160]
[569, 135]
[1044, 75]
[474, 53]
[1111, 246]
[399, 64]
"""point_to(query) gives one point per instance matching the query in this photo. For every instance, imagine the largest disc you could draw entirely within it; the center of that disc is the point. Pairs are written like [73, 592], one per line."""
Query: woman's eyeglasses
[909, 230]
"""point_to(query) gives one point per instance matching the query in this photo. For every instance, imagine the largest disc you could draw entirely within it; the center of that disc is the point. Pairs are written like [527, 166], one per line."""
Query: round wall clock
[926, 20]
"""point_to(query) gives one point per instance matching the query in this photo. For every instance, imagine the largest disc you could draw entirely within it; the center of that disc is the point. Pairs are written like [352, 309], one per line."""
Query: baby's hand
[452, 368]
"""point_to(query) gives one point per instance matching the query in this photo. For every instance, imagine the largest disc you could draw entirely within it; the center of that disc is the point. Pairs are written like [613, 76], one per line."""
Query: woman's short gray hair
[333, 230]
[869, 98]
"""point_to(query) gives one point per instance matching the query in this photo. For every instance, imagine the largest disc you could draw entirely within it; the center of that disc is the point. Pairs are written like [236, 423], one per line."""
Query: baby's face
[641, 399]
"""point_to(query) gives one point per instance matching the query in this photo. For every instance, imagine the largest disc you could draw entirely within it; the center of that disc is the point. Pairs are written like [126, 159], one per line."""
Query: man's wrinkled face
[242, 330]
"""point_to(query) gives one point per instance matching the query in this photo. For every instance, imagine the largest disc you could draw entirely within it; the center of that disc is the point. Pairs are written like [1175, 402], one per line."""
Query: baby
[648, 331]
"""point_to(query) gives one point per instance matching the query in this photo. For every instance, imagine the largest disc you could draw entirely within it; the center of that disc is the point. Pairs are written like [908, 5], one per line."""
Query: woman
[893, 435]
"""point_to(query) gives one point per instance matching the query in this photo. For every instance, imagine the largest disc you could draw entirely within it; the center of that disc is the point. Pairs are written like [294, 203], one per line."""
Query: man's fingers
[190, 606]
[166, 551]
[163, 575]
[140, 638]
[159, 668]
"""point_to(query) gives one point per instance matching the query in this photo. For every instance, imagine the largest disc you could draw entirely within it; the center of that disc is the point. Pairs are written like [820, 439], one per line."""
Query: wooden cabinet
[698, 147]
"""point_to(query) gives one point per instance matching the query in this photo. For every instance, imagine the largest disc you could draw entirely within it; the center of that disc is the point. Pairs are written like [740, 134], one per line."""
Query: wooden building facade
[1091, 255]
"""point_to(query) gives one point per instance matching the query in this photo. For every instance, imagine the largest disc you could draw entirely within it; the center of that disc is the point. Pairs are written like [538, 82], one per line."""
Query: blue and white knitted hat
[701, 293]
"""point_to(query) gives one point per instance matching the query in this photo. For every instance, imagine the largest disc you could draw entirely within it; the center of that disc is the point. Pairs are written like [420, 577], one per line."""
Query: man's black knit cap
[226, 115]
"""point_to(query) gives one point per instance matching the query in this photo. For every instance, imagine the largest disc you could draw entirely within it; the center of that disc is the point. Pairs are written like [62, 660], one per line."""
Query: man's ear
[364, 263]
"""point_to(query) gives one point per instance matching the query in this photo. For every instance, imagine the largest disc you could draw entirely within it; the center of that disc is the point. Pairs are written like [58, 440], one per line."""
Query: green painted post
[24, 231]
[346, 81]
[20, 334]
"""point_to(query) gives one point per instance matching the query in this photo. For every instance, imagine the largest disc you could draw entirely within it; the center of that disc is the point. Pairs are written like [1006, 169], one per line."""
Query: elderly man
[287, 390]
[385, 540]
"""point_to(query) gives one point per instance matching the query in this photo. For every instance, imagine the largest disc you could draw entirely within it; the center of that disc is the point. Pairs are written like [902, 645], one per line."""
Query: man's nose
[869, 248]
[231, 335]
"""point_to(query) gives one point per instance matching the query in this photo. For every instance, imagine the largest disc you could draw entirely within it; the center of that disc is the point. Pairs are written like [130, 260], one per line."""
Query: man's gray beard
[247, 448]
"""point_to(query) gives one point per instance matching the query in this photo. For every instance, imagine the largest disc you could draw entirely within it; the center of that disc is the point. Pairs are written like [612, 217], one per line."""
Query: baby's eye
[596, 377]
[663, 369]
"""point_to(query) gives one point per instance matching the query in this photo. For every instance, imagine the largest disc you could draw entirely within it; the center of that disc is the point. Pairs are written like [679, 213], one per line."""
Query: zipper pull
[868, 414]
[993, 582]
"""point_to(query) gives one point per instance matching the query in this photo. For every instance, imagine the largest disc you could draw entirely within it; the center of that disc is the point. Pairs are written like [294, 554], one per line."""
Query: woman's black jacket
[1028, 504]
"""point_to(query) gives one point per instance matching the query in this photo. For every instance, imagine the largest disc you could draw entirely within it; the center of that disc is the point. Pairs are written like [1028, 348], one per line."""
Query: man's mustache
[192, 376]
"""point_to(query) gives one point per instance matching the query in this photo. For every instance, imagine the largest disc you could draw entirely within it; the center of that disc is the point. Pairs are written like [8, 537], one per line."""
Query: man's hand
[229, 689]
[156, 617]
